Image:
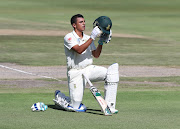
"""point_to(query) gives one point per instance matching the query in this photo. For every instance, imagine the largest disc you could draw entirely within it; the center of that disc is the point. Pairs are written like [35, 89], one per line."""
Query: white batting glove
[95, 33]
[39, 106]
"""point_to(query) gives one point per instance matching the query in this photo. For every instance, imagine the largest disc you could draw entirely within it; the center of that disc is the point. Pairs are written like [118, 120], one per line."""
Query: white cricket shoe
[63, 102]
[58, 94]
[82, 108]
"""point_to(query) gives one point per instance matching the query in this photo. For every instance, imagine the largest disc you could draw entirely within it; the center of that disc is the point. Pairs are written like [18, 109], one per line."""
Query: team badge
[69, 39]
[108, 27]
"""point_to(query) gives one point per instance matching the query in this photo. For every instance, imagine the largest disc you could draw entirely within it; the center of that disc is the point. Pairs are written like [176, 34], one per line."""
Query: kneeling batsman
[111, 76]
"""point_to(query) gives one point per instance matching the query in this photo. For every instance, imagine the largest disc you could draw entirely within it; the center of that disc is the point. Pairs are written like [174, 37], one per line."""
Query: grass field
[141, 106]
[39, 51]
[155, 18]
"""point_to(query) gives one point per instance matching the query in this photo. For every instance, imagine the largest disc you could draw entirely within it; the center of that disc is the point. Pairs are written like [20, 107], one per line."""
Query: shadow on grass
[55, 107]
[90, 111]
[94, 111]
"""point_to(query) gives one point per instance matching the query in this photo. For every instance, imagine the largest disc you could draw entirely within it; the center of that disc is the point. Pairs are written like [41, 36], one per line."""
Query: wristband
[100, 42]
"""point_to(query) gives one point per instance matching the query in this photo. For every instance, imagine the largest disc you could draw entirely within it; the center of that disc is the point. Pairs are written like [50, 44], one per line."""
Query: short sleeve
[69, 41]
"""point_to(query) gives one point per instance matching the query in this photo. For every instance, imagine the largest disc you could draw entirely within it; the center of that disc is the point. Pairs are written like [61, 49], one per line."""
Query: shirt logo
[69, 39]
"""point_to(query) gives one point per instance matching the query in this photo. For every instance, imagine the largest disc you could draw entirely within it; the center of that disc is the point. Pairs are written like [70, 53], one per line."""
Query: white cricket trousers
[77, 83]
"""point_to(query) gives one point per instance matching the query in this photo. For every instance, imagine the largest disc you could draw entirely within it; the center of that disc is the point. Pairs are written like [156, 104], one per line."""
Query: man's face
[80, 24]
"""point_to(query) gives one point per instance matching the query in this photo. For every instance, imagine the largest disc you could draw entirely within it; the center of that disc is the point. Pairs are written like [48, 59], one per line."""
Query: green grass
[171, 79]
[146, 84]
[138, 110]
[49, 50]
[140, 106]
[155, 18]
[32, 50]
[126, 84]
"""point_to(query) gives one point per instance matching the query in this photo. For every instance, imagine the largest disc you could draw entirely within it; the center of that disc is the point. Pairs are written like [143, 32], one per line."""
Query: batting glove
[105, 38]
[95, 33]
[39, 106]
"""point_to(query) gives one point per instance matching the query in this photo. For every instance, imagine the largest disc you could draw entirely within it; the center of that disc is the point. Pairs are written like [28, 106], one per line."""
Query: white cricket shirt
[75, 60]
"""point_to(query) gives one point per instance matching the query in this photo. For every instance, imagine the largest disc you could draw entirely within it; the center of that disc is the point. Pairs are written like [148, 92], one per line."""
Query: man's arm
[80, 49]
[103, 39]
[83, 47]
[96, 53]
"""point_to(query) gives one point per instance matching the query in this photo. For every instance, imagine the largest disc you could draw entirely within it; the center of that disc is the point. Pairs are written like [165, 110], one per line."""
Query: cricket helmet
[104, 23]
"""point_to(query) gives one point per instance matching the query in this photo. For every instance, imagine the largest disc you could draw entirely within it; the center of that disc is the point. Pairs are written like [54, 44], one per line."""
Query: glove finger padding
[39, 106]
[96, 32]
[106, 38]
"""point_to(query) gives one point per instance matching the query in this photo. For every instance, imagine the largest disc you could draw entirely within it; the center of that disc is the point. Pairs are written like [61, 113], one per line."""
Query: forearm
[80, 49]
[83, 47]
[96, 53]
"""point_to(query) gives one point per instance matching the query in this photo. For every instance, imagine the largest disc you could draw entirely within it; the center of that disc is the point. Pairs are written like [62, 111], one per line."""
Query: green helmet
[104, 23]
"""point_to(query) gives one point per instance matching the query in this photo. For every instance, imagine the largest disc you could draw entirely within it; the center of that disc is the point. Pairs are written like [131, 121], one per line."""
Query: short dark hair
[74, 18]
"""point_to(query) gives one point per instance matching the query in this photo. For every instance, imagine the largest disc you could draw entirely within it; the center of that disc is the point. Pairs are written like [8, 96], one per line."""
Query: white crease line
[21, 71]
[28, 73]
